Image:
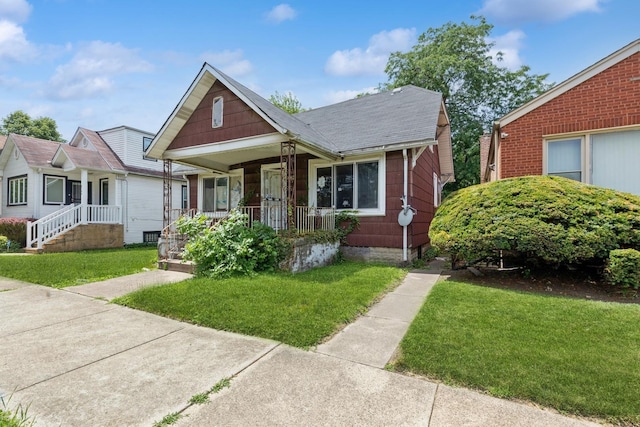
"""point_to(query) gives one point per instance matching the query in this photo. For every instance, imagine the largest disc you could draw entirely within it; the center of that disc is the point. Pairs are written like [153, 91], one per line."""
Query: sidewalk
[78, 361]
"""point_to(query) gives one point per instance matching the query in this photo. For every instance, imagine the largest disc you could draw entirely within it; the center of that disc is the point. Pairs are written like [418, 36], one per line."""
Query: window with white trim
[216, 120]
[17, 190]
[185, 198]
[216, 194]
[564, 158]
[54, 188]
[356, 185]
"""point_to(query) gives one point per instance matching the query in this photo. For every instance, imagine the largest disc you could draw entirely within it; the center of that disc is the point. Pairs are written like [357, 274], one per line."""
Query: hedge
[538, 220]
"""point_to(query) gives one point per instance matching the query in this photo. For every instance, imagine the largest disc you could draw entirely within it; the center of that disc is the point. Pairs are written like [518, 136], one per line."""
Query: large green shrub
[623, 268]
[538, 220]
[231, 247]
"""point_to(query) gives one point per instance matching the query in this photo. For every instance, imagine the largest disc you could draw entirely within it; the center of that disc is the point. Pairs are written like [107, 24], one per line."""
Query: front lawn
[296, 309]
[60, 270]
[577, 356]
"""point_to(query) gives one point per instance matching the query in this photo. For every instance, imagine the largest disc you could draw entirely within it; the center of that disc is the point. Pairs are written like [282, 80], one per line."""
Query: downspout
[405, 180]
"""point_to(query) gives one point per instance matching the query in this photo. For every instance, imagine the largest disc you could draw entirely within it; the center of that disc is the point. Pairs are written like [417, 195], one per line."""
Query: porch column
[167, 184]
[84, 195]
[117, 196]
[288, 174]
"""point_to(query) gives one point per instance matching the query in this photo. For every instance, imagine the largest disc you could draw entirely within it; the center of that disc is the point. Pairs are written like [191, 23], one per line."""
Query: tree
[456, 60]
[21, 123]
[287, 102]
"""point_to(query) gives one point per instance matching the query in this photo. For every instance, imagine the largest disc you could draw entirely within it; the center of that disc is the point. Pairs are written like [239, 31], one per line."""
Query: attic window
[217, 112]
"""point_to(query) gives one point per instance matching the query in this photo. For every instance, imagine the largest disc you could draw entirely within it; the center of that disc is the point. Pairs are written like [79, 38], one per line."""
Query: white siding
[143, 198]
[115, 138]
[16, 167]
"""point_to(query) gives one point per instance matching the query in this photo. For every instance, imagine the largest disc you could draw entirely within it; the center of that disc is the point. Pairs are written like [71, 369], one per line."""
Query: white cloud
[518, 11]
[373, 59]
[90, 72]
[280, 13]
[231, 62]
[509, 44]
[335, 96]
[13, 43]
[14, 10]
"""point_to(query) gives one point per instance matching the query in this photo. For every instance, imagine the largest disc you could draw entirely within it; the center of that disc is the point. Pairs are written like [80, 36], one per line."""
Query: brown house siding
[421, 192]
[609, 99]
[239, 121]
[193, 191]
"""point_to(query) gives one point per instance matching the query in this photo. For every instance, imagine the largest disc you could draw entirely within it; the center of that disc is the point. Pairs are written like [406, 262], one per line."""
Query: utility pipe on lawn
[405, 200]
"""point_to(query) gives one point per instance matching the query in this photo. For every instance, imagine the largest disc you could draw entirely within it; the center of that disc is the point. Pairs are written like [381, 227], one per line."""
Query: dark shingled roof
[282, 118]
[406, 114]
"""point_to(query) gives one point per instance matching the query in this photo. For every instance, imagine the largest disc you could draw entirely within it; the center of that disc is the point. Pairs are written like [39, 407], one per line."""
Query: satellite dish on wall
[405, 217]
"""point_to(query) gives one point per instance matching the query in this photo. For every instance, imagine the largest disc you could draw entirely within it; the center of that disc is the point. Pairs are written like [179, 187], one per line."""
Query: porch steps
[177, 265]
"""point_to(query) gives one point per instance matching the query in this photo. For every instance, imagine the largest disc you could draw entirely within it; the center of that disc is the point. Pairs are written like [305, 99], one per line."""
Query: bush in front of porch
[231, 247]
[15, 229]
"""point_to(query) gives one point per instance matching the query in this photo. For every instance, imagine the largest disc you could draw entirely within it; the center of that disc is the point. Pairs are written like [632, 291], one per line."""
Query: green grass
[580, 357]
[60, 270]
[298, 309]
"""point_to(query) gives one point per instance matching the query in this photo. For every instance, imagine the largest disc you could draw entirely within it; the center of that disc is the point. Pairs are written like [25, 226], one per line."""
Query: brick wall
[609, 99]
[89, 236]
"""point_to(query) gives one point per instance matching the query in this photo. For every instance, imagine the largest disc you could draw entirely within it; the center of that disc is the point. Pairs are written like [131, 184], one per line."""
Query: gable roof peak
[573, 81]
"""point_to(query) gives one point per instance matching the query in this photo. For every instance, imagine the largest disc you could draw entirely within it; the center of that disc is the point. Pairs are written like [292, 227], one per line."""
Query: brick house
[385, 156]
[586, 128]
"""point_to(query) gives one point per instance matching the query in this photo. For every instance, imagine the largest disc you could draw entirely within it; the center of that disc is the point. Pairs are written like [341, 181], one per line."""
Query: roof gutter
[392, 147]
[313, 148]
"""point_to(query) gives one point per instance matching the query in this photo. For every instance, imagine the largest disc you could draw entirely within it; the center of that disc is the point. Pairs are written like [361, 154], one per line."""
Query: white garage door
[616, 161]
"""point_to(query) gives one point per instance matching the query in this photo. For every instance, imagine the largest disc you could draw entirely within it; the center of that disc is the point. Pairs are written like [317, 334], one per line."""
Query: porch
[48, 228]
[303, 220]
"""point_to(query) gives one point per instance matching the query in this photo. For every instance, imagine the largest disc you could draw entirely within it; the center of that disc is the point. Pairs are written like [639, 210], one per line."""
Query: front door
[74, 192]
[273, 205]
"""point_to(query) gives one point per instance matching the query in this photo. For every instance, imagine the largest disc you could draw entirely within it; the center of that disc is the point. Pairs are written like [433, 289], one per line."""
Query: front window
[217, 112]
[17, 191]
[216, 194]
[54, 190]
[356, 185]
[564, 158]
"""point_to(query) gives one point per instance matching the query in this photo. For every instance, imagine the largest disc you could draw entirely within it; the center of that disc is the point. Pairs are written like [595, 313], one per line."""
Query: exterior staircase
[76, 227]
[83, 237]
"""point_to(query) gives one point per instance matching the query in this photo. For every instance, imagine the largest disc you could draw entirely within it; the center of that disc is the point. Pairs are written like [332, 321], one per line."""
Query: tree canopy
[21, 123]
[456, 60]
[287, 102]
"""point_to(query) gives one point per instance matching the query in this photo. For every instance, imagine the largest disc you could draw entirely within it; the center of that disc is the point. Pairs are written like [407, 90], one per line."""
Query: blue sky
[105, 63]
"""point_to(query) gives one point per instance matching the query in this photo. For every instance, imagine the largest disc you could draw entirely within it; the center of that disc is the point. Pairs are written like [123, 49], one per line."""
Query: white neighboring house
[96, 178]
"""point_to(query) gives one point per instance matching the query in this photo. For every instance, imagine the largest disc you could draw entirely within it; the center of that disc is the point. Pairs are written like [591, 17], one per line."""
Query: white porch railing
[51, 226]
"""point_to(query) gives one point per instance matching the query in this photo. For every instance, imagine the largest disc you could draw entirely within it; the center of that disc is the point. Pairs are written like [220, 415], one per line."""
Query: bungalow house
[99, 190]
[586, 128]
[385, 156]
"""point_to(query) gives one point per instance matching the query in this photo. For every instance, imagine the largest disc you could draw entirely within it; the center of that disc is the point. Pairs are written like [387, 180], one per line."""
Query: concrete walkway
[79, 361]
